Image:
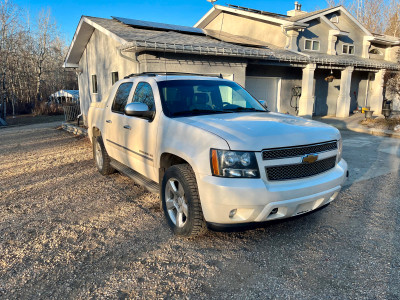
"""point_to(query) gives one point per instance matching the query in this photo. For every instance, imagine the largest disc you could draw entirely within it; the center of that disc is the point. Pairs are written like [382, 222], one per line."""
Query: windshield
[195, 97]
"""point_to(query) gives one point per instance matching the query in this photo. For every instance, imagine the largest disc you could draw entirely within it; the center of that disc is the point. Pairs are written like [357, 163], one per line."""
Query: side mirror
[263, 103]
[140, 110]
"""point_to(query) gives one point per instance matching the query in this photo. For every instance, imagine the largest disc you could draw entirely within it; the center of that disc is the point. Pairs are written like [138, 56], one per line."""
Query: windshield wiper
[245, 109]
[199, 111]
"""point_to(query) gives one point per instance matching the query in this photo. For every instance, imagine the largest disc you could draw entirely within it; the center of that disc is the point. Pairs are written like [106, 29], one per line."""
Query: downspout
[135, 60]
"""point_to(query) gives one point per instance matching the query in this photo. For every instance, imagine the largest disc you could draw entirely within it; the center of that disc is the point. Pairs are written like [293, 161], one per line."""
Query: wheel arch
[167, 160]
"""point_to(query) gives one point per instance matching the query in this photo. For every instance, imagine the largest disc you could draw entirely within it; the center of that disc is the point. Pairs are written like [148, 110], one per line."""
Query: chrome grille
[302, 170]
[298, 150]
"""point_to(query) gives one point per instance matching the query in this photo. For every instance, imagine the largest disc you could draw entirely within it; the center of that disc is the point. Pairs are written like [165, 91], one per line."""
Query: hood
[255, 131]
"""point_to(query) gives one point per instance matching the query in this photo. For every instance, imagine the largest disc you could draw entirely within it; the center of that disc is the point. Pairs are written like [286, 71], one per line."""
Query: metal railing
[71, 112]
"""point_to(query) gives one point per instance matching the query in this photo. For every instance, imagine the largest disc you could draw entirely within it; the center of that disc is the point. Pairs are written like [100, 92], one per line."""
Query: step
[138, 178]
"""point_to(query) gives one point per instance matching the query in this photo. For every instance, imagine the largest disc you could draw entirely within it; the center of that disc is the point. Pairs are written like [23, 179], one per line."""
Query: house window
[375, 51]
[94, 84]
[334, 19]
[347, 49]
[311, 45]
[114, 77]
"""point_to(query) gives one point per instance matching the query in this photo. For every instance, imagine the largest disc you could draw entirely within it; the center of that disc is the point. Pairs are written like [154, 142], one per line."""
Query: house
[319, 63]
[62, 96]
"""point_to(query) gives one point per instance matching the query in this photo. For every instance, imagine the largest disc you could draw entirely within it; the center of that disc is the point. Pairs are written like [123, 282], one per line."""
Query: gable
[248, 27]
[339, 10]
[317, 30]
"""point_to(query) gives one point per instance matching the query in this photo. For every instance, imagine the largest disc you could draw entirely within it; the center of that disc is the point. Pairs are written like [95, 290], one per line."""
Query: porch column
[343, 102]
[375, 99]
[306, 101]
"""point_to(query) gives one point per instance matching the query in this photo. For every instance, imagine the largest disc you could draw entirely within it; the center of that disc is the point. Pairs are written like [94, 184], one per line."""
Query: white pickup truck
[214, 153]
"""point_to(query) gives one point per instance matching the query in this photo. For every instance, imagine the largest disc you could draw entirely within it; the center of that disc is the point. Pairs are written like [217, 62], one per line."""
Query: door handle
[127, 127]
[108, 121]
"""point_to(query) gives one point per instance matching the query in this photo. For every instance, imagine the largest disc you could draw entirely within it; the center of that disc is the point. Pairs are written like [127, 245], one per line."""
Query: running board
[138, 178]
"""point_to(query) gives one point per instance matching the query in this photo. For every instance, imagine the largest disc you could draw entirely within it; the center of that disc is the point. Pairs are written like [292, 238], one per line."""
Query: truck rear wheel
[101, 157]
[181, 201]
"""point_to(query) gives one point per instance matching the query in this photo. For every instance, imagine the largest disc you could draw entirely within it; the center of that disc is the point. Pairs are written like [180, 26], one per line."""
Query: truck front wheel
[181, 201]
[101, 157]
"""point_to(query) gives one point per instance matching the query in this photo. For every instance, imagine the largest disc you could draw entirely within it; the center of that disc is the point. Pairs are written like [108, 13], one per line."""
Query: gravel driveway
[68, 232]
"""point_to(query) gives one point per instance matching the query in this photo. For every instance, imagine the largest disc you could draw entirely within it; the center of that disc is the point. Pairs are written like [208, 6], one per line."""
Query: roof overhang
[335, 32]
[384, 40]
[81, 38]
[253, 53]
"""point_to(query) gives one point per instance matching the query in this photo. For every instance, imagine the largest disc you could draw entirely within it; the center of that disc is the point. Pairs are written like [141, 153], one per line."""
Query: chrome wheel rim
[175, 202]
[99, 156]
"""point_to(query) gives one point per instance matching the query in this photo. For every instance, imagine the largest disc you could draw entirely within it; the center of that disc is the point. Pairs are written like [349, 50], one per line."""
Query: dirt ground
[66, 232]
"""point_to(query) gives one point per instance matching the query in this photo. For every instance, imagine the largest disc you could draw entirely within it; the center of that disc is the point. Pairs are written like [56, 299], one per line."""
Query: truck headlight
[234, 164]
[340, 148]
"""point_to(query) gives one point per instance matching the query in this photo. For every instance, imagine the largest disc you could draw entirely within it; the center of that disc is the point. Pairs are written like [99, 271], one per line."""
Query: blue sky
[180, 12]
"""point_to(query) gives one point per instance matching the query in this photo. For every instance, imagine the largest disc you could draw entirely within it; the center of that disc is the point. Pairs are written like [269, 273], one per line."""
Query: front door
[140, 135]
[115, 120]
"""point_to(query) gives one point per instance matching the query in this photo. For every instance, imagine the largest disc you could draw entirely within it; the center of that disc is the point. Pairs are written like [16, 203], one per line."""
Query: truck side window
[121, 97]
[144, 94]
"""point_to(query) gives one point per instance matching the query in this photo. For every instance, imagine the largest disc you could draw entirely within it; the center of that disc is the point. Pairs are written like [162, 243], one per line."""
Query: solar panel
[160, 26]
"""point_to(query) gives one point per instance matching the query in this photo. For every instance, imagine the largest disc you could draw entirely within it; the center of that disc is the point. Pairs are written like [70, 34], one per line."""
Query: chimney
[296, 11]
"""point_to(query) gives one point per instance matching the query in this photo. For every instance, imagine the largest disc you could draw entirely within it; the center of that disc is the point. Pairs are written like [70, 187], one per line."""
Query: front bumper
[256, 200]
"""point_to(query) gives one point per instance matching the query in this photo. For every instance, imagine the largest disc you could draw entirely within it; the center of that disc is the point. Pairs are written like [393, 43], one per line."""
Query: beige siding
[319, 31]
[101, 57]
[194, 64]
[392, 54]
[356, 35]
[380, 48]
[259, 30]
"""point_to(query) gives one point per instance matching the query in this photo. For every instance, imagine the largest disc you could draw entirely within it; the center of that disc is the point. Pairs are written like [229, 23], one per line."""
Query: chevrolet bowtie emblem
[309, 158]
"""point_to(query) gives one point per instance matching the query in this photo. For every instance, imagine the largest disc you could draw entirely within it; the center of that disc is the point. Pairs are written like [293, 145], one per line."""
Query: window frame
[376, 50]
[95, 89]
[112, 77]
[348, 49]
[312, 45]
[152, 91]
[127, 98]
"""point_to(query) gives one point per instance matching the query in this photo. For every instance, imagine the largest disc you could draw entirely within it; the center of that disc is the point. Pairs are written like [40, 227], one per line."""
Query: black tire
[101, 158]
[194, 224]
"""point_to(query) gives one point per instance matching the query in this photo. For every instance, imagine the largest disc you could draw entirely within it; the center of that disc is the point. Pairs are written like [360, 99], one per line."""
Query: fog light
[232, 213]
[274, 211]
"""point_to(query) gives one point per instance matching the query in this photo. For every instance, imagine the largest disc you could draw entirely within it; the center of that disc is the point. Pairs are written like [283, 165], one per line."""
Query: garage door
[265, 88]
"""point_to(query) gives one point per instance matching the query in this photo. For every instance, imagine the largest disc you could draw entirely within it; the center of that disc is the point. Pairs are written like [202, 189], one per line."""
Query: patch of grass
[31, 119]
[381, 123]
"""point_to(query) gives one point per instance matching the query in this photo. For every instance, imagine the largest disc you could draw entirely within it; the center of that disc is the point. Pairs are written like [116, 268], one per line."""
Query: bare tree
[31, 57]
[9, 16]
[378, 16]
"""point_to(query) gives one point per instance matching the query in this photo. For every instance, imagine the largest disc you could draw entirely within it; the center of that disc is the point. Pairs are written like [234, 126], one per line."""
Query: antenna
[360, 14]
[212, 1]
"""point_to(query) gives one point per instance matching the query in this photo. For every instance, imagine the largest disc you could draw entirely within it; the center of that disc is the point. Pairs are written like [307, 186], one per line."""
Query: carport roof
[137, 39]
